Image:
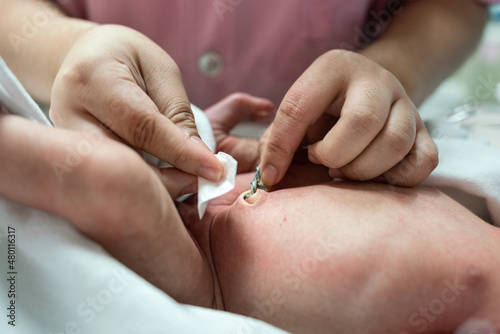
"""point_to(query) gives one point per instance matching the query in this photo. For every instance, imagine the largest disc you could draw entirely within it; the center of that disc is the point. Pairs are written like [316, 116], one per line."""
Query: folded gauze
[208, 190]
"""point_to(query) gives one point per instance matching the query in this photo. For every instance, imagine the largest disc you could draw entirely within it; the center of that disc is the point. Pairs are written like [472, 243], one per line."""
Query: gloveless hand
[359, 120]
[117, 82]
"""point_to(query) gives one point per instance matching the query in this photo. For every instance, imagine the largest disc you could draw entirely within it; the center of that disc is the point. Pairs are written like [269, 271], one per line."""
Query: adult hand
[117, 82]
[109, 193]
[377, 129]
[226, 114]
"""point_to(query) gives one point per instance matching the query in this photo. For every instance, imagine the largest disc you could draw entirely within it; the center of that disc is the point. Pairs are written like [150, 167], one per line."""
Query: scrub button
[211, 64]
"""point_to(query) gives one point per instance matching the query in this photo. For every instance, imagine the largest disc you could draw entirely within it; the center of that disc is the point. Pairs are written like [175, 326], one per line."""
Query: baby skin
[339, 257]
[311, 256]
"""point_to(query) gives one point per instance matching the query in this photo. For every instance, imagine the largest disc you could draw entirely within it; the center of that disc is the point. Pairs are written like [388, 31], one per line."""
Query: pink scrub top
[255, 46]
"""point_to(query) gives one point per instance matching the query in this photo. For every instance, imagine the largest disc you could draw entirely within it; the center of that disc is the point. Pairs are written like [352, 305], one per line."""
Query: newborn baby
[349, 257]
[311, 256]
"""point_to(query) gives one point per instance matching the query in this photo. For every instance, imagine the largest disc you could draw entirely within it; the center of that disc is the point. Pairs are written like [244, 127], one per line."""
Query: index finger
[304, 103]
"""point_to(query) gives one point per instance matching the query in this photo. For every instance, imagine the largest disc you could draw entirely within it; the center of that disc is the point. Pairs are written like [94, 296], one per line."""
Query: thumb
[163, 80]
[134, 117]
[175, 120]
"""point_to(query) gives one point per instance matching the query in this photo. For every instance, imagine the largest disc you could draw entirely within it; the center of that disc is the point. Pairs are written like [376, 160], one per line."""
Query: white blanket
[469, 168]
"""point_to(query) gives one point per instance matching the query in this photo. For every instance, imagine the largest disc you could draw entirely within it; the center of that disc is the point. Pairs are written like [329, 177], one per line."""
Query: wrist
[75, 29]
[51, 60]
[38, 37]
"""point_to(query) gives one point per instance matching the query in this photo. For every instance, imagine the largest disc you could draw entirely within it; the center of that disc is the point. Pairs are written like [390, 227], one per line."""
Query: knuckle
[431, 154]
[75, 80]
[399, 141]
[76, 74]
[386, 77]
[363, 119]
[338, 58]
[179, 112]
[415, 167]
[275, 150]
[180, 157]
[142, 130]
[293, 109]
[434, 159]
[371, 93]
[241, 102]
[418, 165]
[173, 69]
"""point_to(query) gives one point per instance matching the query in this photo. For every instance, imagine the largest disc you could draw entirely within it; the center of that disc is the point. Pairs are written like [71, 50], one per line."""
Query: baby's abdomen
[344, 257]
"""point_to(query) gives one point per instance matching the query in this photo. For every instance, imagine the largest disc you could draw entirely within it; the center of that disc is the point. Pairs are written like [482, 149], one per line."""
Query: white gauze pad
[208, 190]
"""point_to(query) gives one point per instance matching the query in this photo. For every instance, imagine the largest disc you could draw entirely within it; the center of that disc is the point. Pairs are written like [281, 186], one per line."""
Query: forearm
[26, 175]
[426, 41]
[108, 193]
[34, 39]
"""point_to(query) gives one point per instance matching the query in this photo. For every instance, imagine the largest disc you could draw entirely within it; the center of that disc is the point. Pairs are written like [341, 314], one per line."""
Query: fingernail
[269, 175]
[336, 174]
[210, 173]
